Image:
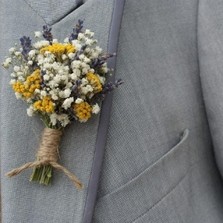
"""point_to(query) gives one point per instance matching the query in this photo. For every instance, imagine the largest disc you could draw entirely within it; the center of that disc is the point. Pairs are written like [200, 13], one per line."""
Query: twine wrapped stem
[47, 157]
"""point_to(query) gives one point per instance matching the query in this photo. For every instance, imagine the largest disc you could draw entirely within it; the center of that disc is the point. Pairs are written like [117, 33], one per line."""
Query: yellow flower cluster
[27, 88]
[83, 111]
[95, 82]
[44, 105]
[58, 49]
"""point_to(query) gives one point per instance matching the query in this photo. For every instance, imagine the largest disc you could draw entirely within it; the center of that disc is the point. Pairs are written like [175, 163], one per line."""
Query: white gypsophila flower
[13, 74]
[71, 56]
[67, 103]
[64, 57]
[104, 70]
[13, 81]
[53, 119]
[102, 79]
[41, 44]
[56, 66]
[78, 100]
[47, 65]
[7, 62]
[21, 74]
[12, 50]
[37, 34]
[43, 93]
[17, 53]
[73, 76]
[55, 40]
[63, 119]
[65, 94]
[78, 47]
[30, 62]
[89, 42]
[85, 70]
[87, 50]
[32, 53]
[64, 78]
[52, 84]
[30, 111]
[89, 33]
[84, 81]
[61, 71]
[66, 40]
[47, 54]
[80, 36]
[18, 95]
[81, 57]
[21, 78]
[75, 64]
[66, 68]
[86, 89]
[37, 91]
[69, 85]
[29, 100]
[77, 72]
[98, 49]
[44, 43]
[94, 55]
[95, 109]
[87, 60]
[77, 44]
[50, 74]
[57, 78]
[85, 65]
[40, 57]
[46, 77]
[54, 97]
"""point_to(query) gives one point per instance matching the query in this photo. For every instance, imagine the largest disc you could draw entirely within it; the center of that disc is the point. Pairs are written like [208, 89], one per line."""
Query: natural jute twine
[47, 154]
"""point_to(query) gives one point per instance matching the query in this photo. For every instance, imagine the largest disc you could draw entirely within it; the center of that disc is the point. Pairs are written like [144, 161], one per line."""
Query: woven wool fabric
[149, 174]
[159, 164]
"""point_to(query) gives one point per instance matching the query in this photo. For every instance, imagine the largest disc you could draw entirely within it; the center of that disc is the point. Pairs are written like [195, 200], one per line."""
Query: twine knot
[48, 154]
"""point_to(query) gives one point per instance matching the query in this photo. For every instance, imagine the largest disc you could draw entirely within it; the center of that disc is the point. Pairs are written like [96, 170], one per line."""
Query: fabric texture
[159, 162]
[143, 179]
[20, 134]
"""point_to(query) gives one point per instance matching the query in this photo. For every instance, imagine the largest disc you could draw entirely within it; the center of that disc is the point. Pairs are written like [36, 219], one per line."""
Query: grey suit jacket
[151, 154]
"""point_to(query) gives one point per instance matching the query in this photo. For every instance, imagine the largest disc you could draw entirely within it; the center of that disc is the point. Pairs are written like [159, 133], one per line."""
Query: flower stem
[42, 174]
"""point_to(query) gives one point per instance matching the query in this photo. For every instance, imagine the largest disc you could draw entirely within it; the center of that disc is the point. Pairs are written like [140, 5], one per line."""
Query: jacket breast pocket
[137, 196]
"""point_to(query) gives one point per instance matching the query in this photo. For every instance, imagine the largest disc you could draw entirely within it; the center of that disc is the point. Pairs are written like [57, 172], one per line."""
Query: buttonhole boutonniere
[61, 82]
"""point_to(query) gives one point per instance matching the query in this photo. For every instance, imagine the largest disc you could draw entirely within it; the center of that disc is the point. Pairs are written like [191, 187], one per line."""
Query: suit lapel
[104, 118]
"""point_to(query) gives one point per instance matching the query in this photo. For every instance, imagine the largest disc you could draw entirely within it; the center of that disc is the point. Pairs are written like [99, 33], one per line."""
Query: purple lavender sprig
[98, 62]
[107, 88]
[110, 86]
[76, 30]
[26, 45]
[75, 88]
[47, 33]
